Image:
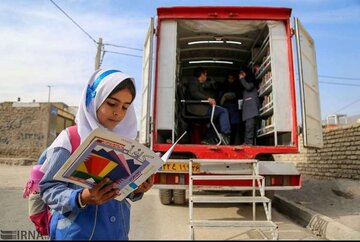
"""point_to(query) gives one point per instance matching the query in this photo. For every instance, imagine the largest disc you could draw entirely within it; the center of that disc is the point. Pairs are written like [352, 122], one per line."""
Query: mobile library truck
[223, 39]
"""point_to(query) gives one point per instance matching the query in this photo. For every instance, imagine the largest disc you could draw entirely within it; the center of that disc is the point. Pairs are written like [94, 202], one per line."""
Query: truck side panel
[166, 62]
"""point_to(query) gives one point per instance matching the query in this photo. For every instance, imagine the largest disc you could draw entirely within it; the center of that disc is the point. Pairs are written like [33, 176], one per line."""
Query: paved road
[150, 219]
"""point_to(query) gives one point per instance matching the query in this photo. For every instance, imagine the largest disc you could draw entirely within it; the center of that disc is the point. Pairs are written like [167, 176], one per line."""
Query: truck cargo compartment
[223, 46]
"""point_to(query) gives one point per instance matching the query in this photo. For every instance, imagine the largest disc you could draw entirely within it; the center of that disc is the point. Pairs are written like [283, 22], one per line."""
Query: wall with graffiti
[26, 129]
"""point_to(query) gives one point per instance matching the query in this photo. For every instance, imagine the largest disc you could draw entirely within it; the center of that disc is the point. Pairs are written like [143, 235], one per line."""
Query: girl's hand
[146, 185]
[100, 193]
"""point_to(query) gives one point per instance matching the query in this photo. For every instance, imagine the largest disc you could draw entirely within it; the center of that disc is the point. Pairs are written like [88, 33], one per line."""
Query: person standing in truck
[230, 93]
[203, 89]
[251, 105]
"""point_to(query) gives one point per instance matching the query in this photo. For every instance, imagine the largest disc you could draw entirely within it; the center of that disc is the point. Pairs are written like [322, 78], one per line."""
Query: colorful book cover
[106, 155]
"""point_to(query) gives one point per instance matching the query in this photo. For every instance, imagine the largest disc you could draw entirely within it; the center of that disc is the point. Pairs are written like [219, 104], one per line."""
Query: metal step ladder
[258, 183]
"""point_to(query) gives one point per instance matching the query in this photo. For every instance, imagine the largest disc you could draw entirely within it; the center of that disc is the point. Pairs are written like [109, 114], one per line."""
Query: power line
[74, 22]
[119, 53]
[340, 84]
[340, 77]
[120, 46]
[82, 29]
[348, 105]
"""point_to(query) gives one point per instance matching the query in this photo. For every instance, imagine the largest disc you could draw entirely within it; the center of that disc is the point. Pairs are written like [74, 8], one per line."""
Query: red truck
[222, 39]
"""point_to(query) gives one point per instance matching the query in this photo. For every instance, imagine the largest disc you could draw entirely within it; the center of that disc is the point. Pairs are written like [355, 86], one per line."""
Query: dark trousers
[250, 131]
[236, 137]
[222, 115]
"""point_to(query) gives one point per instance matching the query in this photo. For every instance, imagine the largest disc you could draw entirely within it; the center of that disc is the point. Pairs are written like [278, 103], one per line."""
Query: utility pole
[49, 93]
[98, 54]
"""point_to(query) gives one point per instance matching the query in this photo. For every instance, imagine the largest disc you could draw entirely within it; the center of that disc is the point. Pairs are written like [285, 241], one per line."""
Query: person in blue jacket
[93, 214]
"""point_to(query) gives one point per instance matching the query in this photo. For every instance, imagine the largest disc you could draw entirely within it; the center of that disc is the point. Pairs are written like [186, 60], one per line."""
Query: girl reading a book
[92, 214]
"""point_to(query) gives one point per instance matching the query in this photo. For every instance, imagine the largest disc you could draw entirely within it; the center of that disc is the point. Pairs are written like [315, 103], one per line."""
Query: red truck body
[242, 35]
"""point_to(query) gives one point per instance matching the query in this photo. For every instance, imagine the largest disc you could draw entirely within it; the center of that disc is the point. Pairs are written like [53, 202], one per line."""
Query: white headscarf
[105, 81]
[99, 87]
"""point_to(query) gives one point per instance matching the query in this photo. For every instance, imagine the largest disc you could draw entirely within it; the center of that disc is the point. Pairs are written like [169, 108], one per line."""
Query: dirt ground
[338, 199]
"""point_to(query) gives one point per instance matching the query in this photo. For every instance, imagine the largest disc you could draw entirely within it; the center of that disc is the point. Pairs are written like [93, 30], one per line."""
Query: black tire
[165, 196]
[265, 157]
[179, 196]
[270, 194]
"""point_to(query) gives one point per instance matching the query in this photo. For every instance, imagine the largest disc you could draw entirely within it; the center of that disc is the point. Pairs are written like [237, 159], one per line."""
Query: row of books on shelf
[265, 83]
[267, 121]
[267, 126]
[265, 78]
[264, 131]
[264, 64]
[267, 99]
[267, 53]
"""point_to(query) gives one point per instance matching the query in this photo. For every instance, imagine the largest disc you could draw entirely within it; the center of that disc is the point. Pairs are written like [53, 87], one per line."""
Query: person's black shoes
[209, 141]
[205, 142]
[225, 139]
[247, 144]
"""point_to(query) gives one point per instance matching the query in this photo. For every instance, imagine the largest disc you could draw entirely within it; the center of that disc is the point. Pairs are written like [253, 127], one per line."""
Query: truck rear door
[144, 136]
[309, 87]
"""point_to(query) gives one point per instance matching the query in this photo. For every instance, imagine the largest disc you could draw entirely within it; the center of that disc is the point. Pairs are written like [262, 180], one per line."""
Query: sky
[41, 47]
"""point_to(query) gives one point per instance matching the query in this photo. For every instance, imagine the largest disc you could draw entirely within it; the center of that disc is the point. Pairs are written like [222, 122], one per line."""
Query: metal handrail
[211, 117]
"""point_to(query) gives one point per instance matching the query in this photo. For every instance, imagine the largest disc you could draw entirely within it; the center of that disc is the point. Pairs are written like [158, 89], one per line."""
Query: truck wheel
[165, 196]
[270, 194]
[179, 196]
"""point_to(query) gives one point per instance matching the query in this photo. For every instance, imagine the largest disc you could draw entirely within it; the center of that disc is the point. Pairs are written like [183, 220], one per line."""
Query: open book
[104, 154]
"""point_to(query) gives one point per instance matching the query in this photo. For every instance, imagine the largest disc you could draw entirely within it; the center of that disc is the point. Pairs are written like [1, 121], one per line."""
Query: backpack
[39, 212]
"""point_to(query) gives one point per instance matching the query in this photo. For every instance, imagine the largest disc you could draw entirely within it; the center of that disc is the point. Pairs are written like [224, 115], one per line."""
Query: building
[26, 129]
[336, 120]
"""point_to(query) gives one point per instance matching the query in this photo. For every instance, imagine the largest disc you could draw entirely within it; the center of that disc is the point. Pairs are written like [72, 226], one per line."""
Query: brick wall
[26, 129]
[339, 158]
